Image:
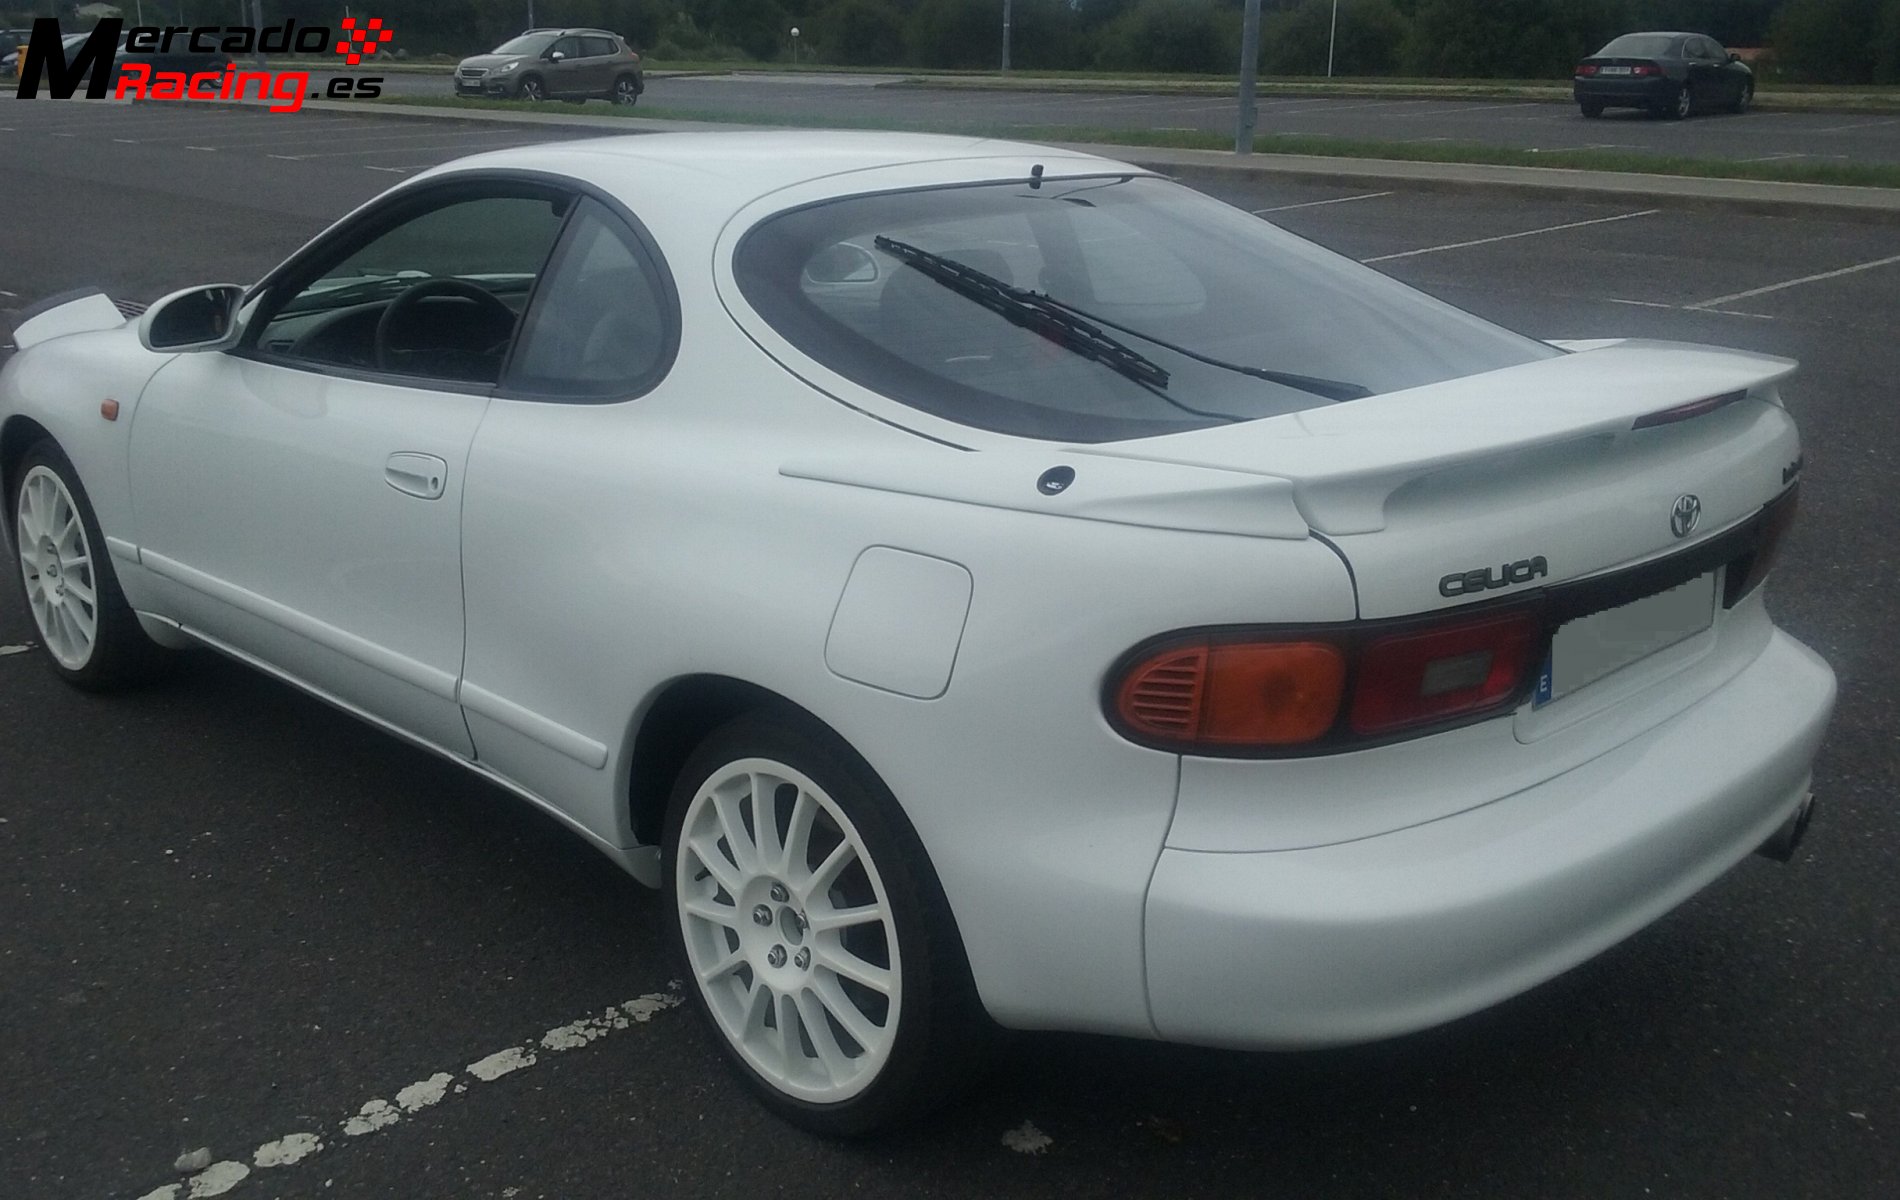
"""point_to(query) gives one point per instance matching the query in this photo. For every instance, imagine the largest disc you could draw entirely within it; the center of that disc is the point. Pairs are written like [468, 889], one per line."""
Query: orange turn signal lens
[1240, 694]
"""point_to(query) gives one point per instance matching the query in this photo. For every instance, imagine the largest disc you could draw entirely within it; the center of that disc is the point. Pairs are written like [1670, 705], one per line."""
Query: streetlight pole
[1006, 35]
[1332, 38]
[1249, 71]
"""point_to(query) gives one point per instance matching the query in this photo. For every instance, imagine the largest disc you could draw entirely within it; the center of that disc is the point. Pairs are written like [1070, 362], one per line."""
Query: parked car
[971, 581]
[1665, 74]
[555, 64]
[11, 40]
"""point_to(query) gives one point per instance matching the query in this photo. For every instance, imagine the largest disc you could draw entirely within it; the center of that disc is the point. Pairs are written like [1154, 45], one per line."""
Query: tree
[1508, 38]
[1371, 36]
[858, 33]
[1829, 41]
[1187, 36]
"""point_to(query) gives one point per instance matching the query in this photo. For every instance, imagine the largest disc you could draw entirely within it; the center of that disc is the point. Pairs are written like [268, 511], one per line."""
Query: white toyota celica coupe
[972, 581]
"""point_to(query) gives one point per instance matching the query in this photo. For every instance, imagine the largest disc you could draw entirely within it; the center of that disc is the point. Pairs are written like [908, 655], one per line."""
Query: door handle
[413, 474]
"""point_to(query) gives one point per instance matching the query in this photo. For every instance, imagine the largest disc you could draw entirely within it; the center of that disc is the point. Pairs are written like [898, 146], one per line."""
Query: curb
[1762, 197]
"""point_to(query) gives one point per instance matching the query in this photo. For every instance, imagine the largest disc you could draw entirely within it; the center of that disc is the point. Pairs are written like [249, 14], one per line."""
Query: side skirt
[641, 862]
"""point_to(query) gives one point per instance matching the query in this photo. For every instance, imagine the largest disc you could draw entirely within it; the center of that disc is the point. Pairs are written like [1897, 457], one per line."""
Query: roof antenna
[1035, 177]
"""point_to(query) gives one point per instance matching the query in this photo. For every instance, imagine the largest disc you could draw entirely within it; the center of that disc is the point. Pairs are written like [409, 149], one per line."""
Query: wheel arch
[18, 435]
[677, 719]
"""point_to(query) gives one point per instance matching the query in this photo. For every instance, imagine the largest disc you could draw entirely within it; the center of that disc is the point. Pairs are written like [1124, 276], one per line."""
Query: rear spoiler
[1346, 459]
[82, 310]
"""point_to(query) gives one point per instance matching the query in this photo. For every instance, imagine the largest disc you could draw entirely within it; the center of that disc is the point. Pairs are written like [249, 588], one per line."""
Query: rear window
[1141, 256]
[1639, 45]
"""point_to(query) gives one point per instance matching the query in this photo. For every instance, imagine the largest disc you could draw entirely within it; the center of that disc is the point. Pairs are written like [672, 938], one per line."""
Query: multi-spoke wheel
[62, 586]
[819, 945]
[531, 89]
[626, 90]
[89, 633]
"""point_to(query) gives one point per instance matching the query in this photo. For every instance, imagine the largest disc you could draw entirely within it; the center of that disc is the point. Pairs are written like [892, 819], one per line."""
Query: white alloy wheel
[788, 930]
[62, 588]
[1685, 102]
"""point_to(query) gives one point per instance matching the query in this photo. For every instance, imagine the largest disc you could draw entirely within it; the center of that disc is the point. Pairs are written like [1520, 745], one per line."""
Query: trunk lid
[1561, 460]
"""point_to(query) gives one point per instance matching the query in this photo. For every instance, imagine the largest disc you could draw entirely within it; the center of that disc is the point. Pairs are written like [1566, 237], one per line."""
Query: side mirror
[1734, 57]
[556, 55]
[199, 318]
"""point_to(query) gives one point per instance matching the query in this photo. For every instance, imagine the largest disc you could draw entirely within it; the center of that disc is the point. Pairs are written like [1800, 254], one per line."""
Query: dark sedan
[1664, 74]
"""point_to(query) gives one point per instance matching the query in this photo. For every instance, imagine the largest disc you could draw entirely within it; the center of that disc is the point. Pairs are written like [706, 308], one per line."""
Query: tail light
[1645, 69]
[1587, 69]
[1236, 692]
[1670, 416]
[1421, 678]
[1746, 572]
[1262, 692]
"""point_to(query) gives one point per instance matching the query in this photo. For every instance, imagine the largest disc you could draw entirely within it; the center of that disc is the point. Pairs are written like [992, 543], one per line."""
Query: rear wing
[83, 310]
[1347, 459]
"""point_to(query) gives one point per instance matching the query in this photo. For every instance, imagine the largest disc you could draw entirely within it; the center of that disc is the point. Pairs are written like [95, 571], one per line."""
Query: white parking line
[1776, 287]
[1855, 125]
[378, 1114]
[1505, 237]
[1261, 212]
[1723, 312]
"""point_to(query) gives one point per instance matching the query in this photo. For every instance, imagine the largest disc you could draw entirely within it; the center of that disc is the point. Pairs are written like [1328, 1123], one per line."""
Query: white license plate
[1613, 70]
[1589, 648]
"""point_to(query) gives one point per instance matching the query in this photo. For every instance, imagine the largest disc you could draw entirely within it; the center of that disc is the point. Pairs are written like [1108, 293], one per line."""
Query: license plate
[1589, 648]
[1613, 70]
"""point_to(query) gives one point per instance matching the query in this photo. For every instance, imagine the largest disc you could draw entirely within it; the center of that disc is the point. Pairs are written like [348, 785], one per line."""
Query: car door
[299, 498]
[602, 56]
[565, 524]
[567, 75]
[1705, 68]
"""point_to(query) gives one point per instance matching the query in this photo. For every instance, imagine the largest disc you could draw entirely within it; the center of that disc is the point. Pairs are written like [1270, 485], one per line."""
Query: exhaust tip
[1782, 844]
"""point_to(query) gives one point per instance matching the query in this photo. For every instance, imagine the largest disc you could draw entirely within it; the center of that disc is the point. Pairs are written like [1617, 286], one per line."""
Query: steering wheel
[402, 310]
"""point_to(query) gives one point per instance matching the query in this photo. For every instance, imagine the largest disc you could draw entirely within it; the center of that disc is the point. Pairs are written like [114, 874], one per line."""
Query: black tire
[1743, 99]
[531, 89]
[1591, 109]
[626, 91]
[121, 653]
[942, 1035]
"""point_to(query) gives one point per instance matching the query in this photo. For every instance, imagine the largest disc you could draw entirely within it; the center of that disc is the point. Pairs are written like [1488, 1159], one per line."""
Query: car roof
[728, 170]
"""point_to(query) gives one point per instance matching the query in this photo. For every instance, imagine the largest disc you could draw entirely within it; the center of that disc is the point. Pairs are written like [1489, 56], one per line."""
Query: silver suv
[551, 64]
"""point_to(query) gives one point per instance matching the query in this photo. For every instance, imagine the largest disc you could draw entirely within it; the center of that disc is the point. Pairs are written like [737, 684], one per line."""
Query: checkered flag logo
[360, 38]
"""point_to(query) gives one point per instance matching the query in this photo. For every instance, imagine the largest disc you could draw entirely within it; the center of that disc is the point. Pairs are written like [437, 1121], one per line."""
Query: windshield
[1194, 279]
[527, 43]
[1638, 45]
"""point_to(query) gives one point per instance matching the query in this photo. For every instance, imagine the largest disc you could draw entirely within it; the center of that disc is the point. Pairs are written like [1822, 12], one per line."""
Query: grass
[1854, 174]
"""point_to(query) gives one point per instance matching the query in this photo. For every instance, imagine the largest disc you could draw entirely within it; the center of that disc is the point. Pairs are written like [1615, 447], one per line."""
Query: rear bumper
[1624, 93]
[1388, 934]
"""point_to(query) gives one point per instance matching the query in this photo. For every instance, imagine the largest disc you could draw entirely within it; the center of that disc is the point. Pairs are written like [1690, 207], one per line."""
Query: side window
[567, 47]
[602, 326]
[438, 295]
[599, 47]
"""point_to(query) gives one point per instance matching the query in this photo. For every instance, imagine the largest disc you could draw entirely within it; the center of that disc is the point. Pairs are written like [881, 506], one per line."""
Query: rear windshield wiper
[1066, 321]
[1331, 389]
[1028, 310]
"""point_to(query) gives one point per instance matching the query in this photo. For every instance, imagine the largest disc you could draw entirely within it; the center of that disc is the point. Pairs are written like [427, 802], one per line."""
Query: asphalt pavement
[234, 915]
[1522, 124]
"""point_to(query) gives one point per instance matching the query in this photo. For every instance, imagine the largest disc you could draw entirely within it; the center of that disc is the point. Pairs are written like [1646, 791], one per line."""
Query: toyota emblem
[1684, 517]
